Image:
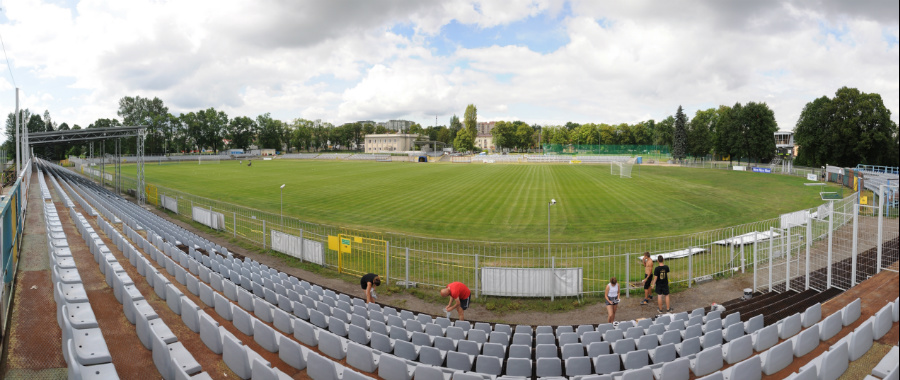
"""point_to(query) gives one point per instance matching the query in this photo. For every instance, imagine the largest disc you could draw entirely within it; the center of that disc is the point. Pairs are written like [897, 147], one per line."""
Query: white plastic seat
[806, 341]
[750, 369]
[777, 358]
[740, 349]
[266, 336]
[707, 361]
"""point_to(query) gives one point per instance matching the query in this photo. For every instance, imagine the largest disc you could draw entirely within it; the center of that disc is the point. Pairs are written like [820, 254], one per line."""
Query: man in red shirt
[459, 298]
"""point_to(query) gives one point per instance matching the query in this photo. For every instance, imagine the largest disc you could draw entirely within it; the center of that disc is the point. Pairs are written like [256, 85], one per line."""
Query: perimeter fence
[775, 250]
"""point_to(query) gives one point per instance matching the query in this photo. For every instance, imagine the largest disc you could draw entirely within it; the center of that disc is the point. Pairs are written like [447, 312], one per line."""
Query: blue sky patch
[542, 34]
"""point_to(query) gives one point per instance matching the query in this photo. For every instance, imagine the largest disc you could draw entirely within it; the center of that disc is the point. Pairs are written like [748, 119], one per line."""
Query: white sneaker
[374, 296]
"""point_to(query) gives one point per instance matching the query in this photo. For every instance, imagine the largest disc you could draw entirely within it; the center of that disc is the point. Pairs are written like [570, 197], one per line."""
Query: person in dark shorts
[459, 298]
[661, 278]
[612, 299]
[648, 277]
[368, 282]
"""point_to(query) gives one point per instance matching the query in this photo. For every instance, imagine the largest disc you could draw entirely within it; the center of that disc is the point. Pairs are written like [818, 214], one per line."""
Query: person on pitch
[459, 298]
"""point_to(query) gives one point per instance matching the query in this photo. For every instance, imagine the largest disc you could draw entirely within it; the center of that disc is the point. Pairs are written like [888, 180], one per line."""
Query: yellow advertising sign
[864, 200]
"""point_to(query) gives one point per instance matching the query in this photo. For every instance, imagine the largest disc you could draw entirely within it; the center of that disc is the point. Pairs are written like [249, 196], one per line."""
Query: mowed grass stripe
[502, 202]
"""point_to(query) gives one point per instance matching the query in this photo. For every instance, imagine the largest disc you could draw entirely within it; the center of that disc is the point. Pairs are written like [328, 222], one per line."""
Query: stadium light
[282, 205]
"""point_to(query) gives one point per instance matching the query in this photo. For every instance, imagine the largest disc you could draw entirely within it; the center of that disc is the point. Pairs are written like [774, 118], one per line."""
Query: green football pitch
[501, 202]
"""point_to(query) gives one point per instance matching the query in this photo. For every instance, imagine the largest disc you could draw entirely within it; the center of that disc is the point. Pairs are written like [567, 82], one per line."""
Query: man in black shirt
[661, 278]
[368, 282]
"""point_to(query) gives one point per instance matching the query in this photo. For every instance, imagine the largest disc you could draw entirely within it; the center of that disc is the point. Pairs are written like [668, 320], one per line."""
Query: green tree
[270, 132]
[524, 136]
[241, 130]
[504, 135]
[728, 128]
[700, 133]
[152, 114]
[679, 139]
[759, 131]
[664, 132]
[464, 141]
[471, 120]
[852, 128]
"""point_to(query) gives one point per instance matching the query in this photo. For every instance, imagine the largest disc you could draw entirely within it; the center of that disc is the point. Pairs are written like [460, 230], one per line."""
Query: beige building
[484, 141]
[389, 143]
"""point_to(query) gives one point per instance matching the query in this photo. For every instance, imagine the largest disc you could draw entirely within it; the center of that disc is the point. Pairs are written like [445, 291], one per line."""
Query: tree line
[853, 127]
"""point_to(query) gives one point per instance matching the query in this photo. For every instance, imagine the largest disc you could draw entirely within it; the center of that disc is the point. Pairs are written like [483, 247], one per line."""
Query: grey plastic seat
[477, 335]
[190, 314]
[707, 361]
[688, 347]
[281, 319]
[399, 333]
[262, 309]
[733, 332]
[434, 330]
[321, 368]
[663, 354]
[655, 329]
[578, 366]
[647, 342]
[812, 315]
[146, 328]
[223, 307]
[581, 329]
[545, 339]
[210, 333]
[358, 334]
[500, 327]
[445, 344]
[806, 341]
[206, 294]
[674, 370]
[882, 322]
[89, 347]
[613, 335]
[456, 333]
[673, 337]
[487, 364]
[545, 351]
[851, 312]
[332, 345]
[605, 364]
[546, 367]
[243, 321]
[402, 349]
[306, 333]
[238, 357]
[469, 347]
[590, 337]
[318, 319]
[567, 338]
[711, 339]
[519, 367]
[713, 324]
[392, 367]
[694, 320]
[362, 357]
[525, 329]
[266, 336]
[165, 355]
[623, 346]
[635, 359]
[96, 371]
[494, 349]
[522, 339]
[777, 358]
[432, 356]
[519, 351]
[830, 326]
[625, 325]
[789, 326]
[572, 350]
[691, 332]
[483, 326]
[335, 325]
[443, 322]
[381, 343]
[429, 372]
[598, 348]
[731, 319]
[459, 361]
[742, 348]
[293, 353]
[465, 325]
[860, 340]
[765, 338]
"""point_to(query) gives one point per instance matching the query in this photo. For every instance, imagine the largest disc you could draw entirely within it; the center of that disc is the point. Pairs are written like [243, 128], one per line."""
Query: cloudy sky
[541, 61]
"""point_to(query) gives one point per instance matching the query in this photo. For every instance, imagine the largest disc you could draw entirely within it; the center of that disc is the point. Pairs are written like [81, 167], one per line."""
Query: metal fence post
[808, 246]
[690, 266]
[552, 277]
[830, 237]
[407, 268]
[476, 275]
[387, 262]
[234, 222]
[264, 235]
[302, 246]
[855, 249]
[771, 253]
[787, 261]
[755, 257]
[743, 259]
[880, 227]
[627, 277]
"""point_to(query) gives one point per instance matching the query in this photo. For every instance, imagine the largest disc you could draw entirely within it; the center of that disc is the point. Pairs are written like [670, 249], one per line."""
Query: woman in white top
[612, 299]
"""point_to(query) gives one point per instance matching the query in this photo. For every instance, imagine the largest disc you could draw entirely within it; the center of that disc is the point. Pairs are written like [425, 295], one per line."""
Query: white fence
[295, 246]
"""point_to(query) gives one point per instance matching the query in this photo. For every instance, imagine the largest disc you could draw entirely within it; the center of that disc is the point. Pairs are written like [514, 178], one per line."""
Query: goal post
[615, 168]
[208, 160]
[626, 168]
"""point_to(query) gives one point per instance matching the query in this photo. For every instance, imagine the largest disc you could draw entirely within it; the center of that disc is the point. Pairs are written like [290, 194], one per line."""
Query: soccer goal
[621, 169]
[208, 159]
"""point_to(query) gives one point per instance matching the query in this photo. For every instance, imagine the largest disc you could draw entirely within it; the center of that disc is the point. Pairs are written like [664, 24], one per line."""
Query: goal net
[621, 169]
[208, 160]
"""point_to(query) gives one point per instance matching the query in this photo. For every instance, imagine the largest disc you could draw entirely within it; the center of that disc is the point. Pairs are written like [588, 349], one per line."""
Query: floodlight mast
[549, 258]
[282, 204]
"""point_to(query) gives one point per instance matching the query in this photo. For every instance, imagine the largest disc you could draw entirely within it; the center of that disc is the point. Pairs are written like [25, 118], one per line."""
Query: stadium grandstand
[108, 289]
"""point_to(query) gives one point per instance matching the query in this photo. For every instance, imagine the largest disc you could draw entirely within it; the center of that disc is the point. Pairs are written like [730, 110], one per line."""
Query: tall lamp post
[282, 205]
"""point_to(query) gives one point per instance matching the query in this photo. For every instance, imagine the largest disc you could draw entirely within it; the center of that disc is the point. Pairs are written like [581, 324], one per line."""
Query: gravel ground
[717, 291]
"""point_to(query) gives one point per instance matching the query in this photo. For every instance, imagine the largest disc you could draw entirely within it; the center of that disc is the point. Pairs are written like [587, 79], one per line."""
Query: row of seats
[83, 346]
[685, 325]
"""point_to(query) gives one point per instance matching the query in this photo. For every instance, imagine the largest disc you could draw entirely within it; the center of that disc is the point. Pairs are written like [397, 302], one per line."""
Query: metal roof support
[140, 193]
